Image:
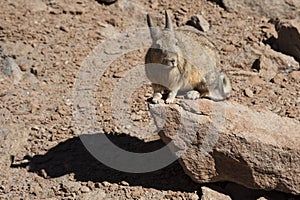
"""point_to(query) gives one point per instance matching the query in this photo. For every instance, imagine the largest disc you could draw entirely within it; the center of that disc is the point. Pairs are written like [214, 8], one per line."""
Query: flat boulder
[226, 141]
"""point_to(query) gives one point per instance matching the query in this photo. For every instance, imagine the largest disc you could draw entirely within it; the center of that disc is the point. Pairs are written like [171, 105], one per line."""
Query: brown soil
[42, 156]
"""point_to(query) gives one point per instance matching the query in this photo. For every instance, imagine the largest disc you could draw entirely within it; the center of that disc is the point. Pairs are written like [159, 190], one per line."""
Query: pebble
[119, 75]
[194, 196]
[97, 185]
[249, 92]
[106, 184]
[64, 28]
[124, 183]
[85, 189]
[262, 198]
[200, 23]
[35, 128]
[229, 48]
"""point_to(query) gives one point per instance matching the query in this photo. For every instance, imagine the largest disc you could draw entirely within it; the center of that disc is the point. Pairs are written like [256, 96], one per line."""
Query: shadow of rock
[218, 2]
[71, 156]
[106, 2]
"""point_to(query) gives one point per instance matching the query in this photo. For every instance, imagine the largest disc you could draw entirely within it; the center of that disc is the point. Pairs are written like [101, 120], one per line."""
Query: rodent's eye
[158, 44]
[176, 43]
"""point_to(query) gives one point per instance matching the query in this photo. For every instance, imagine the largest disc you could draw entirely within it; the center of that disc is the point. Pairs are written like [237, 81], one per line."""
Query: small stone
[124, 183]
[24, 64]
[193, 196]
[248, 92]
[68, 102]
[199, 22]
[44, 173]
[119, 75]
[35, 128]
[262, 198]
[208, 194]
[229, 48]
[97, 185]
[106, 184]
[55, 116]
[90, 184]
[85, 189]
[65, 29]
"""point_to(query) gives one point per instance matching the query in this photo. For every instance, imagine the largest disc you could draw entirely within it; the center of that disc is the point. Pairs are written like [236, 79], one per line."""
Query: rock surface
[219, 141]
[269, 8]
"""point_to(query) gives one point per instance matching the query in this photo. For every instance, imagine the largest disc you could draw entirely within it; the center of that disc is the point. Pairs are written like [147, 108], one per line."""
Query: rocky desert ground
[47, 46]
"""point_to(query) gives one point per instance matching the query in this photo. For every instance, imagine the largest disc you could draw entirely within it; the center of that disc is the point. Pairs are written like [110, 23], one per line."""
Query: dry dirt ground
[41, 154]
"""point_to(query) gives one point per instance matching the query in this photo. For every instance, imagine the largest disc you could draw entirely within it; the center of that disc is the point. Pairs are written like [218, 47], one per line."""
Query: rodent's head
[219, 86]
[164, 42]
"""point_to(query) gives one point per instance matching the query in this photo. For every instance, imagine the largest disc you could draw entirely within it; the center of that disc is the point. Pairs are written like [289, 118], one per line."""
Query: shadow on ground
[71, 156]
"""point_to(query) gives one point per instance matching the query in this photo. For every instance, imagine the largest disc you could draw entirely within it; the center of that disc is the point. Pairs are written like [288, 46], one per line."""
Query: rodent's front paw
[170, 100]
[193, 94]
[156, 97]
[155, 100]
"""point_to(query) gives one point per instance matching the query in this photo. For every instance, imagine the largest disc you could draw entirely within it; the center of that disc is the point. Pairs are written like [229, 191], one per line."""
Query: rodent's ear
[168, 21]
[153, 30]
[149, 21]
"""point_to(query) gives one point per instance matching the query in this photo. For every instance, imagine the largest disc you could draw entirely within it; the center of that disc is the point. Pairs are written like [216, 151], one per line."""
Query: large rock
[288, 40]
[222, 141]
[268, 8]
[271, 62]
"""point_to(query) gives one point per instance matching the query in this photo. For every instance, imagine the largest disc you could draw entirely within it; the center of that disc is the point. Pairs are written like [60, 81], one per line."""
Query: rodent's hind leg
[158, 91]
[193, 94]
[171, 96]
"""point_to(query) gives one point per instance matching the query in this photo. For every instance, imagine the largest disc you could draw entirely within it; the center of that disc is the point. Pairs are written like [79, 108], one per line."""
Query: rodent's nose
[173, 61]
